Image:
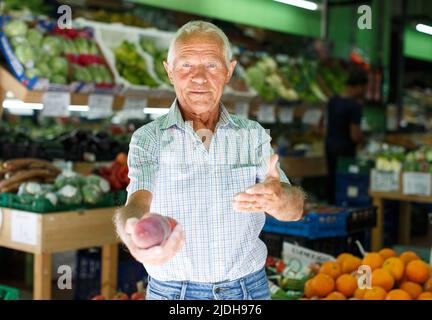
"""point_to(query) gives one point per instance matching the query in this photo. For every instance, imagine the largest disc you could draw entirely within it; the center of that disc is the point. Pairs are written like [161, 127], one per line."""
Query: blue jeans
[251, 287]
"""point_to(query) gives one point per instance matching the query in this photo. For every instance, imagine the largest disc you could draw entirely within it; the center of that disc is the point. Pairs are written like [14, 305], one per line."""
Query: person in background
[343, 130]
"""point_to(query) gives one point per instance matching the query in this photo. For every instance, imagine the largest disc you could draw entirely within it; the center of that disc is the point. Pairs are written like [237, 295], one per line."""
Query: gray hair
[200, 26]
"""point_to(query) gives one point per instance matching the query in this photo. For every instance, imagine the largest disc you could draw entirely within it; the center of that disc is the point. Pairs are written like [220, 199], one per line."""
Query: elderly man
[214, 173]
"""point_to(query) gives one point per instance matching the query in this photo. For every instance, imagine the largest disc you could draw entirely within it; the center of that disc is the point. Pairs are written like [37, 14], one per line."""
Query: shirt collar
[174, 117]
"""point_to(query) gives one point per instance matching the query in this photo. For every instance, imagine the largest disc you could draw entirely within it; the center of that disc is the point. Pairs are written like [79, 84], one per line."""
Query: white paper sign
[56, 104]
[24, 227]
[267, 114]
[242, 109]
[286, 115]
[100, 106]
[299, 258]
[134, 107]
[312, 117]
[353, 192]
[353, 169]
[135, 104]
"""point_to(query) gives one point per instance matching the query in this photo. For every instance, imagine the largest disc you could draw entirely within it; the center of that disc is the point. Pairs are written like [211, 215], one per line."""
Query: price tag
[135, 103]
[24, 227]
[134, 107]
[286, 115]
[242, 109]
[353, 192]
[353, 169]
[267, 114]
[100, 106]
[56, 104]
[312, 117]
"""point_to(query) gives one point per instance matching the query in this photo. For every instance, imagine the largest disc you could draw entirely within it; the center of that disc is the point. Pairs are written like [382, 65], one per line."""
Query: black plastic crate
[88, 278]
[333, 246]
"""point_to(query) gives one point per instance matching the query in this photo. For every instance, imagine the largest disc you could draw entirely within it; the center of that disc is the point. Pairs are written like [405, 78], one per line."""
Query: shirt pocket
[241, 178]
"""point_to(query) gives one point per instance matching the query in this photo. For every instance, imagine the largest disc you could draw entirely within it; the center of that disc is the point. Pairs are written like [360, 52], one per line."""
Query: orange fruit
[373, 260]
[351, 264]
[428, 285]
[376, 293]
[322, 284]
[347, 285]
[341, 258]
[398, 294]
[335, 296]
[360, 293]
[425, 296]
[395, 266]
[332, 268]
[417, 271]
[387, 253]
[412, 288]
[382, 278]
[308, 290]
[408, 256]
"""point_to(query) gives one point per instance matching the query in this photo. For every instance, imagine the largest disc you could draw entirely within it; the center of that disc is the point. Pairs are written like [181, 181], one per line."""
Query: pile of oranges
[403, 277]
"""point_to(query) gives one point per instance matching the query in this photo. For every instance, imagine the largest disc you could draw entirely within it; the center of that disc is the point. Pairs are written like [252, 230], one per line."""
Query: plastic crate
[352, 185]
[11, 200]
[8, 293]
[342, 200]
[313, 225]
[88, 278]
[362, 218]
[332, 246]
[354, 166]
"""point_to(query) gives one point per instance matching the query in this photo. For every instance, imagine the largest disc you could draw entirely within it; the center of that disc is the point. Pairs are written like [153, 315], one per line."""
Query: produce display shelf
[46, 234]
[156, 98]
[404, 231]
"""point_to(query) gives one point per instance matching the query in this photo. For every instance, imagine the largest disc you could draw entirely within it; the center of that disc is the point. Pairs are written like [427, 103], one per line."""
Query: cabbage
[16, 41]
[59, 65]
[32, 72]
[82, 74]
[93, 49]
[69, 47]
[58, 79]
[70, 195]
[15, 28]
[82, 45]
[25, 54]
[44, 70]
[34, 37]
[52, 45]
[100, 182]
[92, 194]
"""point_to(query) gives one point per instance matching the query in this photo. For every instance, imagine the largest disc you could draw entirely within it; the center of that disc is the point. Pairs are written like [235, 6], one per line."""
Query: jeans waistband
[248, 280]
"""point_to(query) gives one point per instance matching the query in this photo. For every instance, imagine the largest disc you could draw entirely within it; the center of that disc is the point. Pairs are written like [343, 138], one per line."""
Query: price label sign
[134, 107]
[286, 115]
[312, 117]
[242, 109]
[267, 114]
[56, 104]
[100, 106]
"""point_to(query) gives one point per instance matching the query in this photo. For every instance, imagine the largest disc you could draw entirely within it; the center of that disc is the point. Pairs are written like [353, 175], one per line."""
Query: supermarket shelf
[398, 196]
[156, 98]
[62, 231]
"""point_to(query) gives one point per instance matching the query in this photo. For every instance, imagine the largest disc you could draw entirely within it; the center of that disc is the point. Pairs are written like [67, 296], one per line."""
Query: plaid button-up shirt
[195, 185]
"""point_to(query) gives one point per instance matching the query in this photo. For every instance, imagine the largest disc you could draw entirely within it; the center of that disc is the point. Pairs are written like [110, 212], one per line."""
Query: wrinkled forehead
[199, 43]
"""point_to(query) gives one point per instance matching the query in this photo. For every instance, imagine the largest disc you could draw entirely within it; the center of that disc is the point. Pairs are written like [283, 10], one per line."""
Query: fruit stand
[45, 234]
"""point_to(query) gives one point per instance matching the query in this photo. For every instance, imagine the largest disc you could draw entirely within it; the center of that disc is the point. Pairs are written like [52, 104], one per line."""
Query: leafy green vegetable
[70, 195]
[58, 79]
[82, 74]
[32, 72]
[25, 54]
[15, 28]
[52, 45]
[100, 182]
[92, 194]
[59, 66]
[132, 66]
[34, 37]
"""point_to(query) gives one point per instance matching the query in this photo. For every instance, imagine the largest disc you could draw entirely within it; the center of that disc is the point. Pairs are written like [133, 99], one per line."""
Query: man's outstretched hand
[279, 200]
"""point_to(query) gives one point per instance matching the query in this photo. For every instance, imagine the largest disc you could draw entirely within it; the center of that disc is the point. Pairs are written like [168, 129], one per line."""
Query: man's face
[198, 72]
